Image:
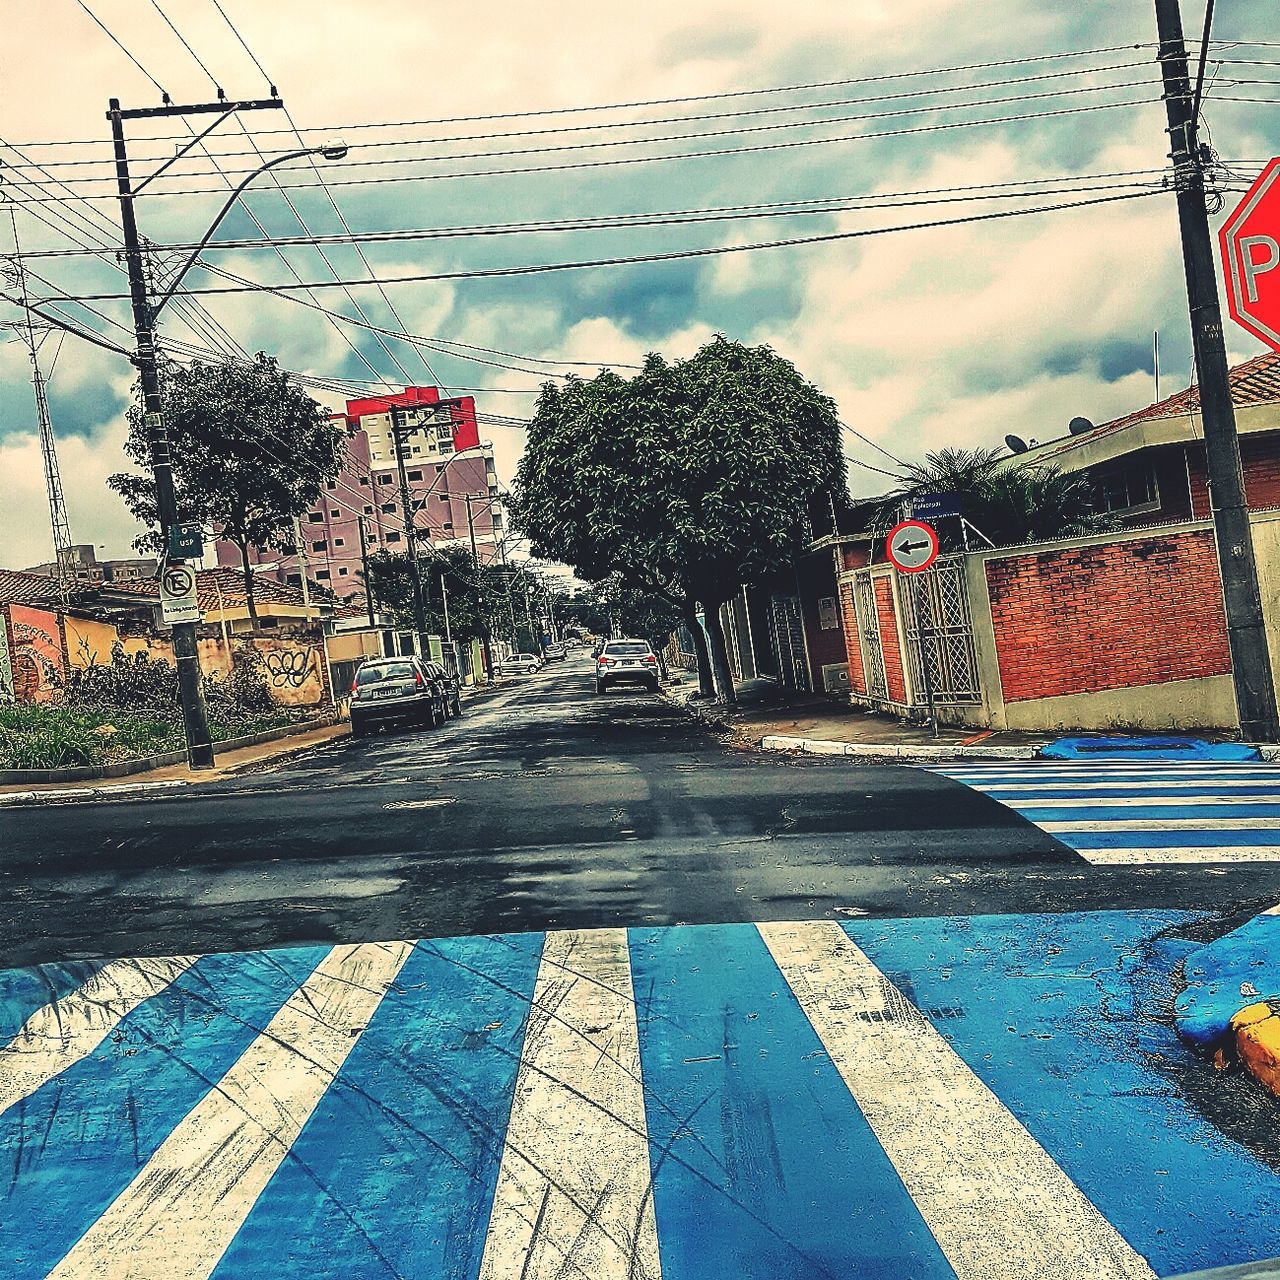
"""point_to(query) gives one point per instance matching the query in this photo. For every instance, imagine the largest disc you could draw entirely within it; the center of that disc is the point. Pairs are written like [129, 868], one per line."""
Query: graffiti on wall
[290, 668]
[36, 656]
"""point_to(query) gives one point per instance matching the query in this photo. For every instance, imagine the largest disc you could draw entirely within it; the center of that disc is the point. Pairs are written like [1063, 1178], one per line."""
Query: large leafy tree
[687, 481]
[1006, 501]
[251, 452]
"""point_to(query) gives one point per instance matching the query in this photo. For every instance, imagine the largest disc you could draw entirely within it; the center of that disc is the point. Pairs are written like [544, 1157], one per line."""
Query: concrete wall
[35, 653]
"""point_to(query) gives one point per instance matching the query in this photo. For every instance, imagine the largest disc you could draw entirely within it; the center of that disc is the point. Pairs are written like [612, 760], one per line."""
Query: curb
[86, 793]
[887, 751]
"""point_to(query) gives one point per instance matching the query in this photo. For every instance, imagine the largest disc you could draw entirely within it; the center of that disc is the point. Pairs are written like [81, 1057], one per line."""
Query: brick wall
[1082, 619]
[895, 681]
[1260, 462]
[852, 640]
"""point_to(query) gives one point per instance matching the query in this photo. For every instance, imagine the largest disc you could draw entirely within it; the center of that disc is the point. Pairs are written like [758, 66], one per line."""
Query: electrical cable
[164, 97]
[217, 88]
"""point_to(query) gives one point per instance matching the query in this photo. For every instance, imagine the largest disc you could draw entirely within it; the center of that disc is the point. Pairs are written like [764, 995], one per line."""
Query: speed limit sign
[178, 601]
[912, 546]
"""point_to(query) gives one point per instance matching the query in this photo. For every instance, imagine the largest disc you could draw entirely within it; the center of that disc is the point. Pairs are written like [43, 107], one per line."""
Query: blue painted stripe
[68, 1150]
[1009, 796]
[1058, 1015]
[23, 991]
[1151, 812]
[394, 1172]
[1168, 839]
[762, 1163]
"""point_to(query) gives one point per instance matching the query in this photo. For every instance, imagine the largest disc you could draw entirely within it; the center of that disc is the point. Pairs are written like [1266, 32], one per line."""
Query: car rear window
[391, 671]
[632, 647]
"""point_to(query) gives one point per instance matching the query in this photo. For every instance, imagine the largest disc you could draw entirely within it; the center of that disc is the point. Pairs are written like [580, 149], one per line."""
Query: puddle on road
[233, 888]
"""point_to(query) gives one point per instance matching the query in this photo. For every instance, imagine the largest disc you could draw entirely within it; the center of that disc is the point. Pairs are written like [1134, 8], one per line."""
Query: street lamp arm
[164, 298]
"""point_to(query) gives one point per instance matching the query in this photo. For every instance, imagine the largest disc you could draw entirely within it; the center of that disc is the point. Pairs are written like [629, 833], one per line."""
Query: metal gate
[935, 606]
[788, 643]
[864, 600]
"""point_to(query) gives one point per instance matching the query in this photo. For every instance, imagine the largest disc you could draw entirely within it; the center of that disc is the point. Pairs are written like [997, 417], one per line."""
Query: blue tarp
[1248, 957]
[1147, 748]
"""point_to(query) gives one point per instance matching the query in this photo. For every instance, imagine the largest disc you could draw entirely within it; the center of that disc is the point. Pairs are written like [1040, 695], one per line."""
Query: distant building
[92, 571]
[444, 462]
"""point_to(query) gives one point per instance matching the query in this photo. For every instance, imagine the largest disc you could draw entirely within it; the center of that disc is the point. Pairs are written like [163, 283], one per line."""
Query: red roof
[26, 588]
[1254, 382]
[225, 585]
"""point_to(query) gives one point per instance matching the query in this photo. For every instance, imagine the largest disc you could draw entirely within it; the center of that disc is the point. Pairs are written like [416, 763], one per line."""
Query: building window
[339, 542]
[439, 467]
[319, 546]
[322, 574]
[1129, 488]
[384, 479]
[330, 484]
[335, 514]
[393, 537]
[415, 475]
[388, 508]
[368, 511]
[364, 479]
[342, 573]
[316, 517]
[295, 579]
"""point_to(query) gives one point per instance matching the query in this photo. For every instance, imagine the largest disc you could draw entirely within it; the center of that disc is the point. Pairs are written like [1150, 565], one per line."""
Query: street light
[194, 713]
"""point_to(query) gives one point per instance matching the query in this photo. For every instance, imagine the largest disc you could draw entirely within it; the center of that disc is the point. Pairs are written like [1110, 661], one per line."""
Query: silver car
[626, 662]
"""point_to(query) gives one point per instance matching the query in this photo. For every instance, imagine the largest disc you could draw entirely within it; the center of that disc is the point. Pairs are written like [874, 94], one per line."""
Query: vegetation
[251, 452]
[1009, 504]
[687, 482]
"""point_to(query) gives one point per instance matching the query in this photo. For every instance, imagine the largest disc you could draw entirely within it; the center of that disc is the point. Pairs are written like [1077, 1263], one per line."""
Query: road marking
[573, 1195]
[1163, 824]
[65, 1031]
[180, 1213]
[1083, 800]
[994, 1199]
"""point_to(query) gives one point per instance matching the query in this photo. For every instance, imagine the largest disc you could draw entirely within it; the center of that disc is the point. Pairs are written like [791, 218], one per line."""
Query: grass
[50, 737]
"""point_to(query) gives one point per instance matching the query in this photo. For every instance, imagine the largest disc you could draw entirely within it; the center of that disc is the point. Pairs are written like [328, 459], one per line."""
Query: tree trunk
[706, 685]
[250, 603]
[720, 653]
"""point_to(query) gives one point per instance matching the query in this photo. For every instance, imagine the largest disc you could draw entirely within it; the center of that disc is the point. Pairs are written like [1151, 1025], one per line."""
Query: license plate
[386, 693]
[629, 662]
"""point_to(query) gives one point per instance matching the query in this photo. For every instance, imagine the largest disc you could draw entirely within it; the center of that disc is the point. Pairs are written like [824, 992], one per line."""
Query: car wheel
[358, 728]
[457, 705]
[601, 687]
[652, 686]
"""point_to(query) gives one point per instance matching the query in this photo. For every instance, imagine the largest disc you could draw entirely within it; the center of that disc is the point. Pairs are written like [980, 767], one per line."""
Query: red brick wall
[1143, 611]
[852, 640]
[1260, 461]
[894, 680]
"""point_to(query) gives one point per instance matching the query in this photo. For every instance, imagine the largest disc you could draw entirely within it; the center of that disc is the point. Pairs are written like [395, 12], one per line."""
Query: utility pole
[1250, 659]
[195, 716]
[475, 564]
[399, 430]
[364, 562]
[304, 567]
[63, 567]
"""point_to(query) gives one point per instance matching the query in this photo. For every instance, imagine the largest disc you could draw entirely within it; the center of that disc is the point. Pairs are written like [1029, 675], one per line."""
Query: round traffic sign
[912, 545]
[178, 580]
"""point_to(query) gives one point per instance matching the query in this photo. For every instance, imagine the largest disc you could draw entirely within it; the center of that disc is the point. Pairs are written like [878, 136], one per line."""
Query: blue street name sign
[935, 506]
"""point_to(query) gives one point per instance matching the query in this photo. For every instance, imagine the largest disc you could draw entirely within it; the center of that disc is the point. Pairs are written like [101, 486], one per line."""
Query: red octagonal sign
[1250, 240]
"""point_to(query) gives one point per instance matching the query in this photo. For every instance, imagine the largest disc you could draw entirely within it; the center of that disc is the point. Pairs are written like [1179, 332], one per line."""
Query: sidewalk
[776, 719]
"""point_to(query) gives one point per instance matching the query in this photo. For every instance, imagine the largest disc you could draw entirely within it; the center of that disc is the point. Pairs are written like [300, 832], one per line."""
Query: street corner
[1231, 984]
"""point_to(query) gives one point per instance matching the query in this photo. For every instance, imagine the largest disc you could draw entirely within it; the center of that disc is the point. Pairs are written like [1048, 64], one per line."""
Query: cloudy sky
[925, 337]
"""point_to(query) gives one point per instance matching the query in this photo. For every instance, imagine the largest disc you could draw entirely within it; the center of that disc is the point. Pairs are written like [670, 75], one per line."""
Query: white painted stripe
[1164, 824]
[1142, 856]
[182, 1210]
[997, 1204]
[573, 1195]
[1152, 802]
[1225, 787]
[64, 1032]
[1135, 769]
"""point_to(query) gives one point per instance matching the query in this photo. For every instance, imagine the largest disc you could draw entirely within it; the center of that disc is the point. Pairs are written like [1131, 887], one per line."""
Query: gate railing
[938, 629]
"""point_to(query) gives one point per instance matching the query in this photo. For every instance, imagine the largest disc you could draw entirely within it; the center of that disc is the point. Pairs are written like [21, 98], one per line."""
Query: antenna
[63, 567]
[1155, 360]
[1078, 426]
[1016, 444]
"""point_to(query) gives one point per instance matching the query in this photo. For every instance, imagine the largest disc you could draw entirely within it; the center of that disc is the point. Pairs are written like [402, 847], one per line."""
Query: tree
[1008, 502]
[251, 452]
[689, 480]
[446, 574]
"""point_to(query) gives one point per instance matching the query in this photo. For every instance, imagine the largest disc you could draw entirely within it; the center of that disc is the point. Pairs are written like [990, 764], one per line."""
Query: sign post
[912, 547]
[1250, 243]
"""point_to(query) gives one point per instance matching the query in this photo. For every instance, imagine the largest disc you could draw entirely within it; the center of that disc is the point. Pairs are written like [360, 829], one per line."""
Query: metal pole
[475, 562]
[411, 541]
[1250, 659]
[364, 562]
[194, 713]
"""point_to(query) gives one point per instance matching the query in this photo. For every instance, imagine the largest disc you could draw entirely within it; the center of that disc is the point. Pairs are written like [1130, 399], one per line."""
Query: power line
[670, 256]
[111, 36]
[186, 44]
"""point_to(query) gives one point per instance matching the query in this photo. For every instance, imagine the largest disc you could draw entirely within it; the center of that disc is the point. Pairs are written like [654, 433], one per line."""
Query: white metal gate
[788, 642]
[939, 631]
[864, 603]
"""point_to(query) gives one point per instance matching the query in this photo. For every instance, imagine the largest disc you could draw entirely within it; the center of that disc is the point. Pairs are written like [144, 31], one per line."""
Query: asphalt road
[545, 807]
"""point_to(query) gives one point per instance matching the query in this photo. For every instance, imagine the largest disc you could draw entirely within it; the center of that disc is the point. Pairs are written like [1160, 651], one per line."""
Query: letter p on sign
[1250, 240]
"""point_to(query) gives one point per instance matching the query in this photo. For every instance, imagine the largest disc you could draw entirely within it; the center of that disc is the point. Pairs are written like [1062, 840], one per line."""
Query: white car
[520, 664]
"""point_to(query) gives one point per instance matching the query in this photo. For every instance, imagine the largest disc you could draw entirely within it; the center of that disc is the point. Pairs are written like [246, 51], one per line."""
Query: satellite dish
[1016, 444]
[1078, 426]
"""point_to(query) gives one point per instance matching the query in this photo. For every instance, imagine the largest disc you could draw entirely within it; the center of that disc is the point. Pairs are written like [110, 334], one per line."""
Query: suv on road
[387, 690]
[626, 662]
[520, 664]
[554, 651]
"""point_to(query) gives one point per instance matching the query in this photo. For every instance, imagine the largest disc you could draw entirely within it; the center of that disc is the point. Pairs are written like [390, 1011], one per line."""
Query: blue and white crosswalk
[972, 1097]
[1132, 814]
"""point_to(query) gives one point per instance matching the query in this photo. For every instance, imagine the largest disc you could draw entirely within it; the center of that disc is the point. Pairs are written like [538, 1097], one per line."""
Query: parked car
[555, 651]
[519, 664]
[390, 690]
[450, 684]
[626, 662]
